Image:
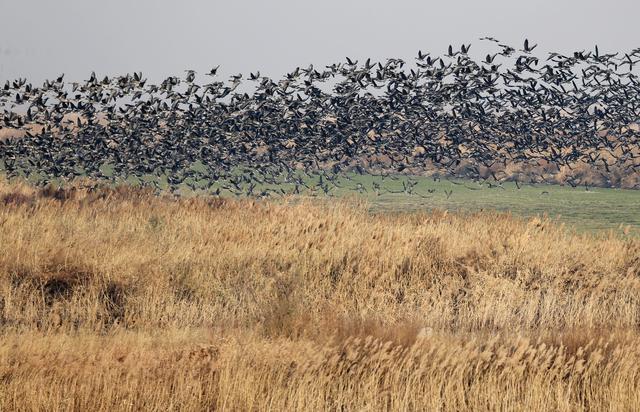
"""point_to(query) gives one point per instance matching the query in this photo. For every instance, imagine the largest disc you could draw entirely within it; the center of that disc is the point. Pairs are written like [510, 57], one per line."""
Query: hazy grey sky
[43, 38]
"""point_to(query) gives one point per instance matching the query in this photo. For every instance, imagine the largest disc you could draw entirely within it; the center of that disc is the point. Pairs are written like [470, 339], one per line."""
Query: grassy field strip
[585, 209]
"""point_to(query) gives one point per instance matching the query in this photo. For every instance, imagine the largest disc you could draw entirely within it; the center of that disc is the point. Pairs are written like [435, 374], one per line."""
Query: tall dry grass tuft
[115, 298]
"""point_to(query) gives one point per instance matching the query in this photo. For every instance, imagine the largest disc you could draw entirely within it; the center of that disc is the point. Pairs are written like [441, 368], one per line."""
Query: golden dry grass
[120, 300]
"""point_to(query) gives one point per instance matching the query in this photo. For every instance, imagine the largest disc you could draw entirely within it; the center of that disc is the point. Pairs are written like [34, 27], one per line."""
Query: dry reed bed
[198, 371]
[157, 303]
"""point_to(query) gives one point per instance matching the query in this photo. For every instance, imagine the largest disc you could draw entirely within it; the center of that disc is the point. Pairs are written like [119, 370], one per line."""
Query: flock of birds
[251, 135]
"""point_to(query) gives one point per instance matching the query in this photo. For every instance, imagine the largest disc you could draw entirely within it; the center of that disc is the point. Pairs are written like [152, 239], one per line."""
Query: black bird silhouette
[527, 48]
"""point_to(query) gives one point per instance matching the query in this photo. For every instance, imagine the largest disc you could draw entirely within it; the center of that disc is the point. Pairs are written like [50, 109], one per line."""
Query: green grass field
[592, 209]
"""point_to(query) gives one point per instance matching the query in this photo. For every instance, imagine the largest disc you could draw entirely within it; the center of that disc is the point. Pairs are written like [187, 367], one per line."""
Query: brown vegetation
[118, 299]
